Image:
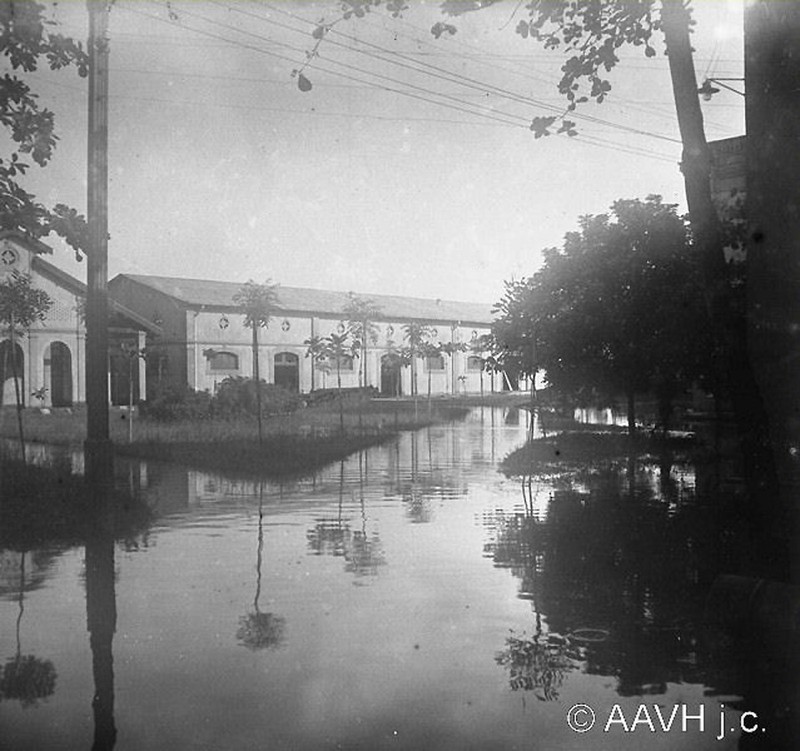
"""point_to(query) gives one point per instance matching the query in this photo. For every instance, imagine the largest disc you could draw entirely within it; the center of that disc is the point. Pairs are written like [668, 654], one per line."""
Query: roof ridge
[368, 295]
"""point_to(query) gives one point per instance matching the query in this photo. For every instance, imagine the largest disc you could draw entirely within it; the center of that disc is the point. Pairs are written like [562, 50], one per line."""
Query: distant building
[203, 338]
[51, 356]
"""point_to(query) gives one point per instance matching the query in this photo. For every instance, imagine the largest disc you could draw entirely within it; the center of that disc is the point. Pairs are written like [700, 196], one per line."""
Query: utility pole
[98, 444]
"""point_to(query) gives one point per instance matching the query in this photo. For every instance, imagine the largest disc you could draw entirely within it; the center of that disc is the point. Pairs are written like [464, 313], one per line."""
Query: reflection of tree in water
[539, 663]
[25, 677]
[364, 554]
[608, 558]
[39, 564]
[361, 550]
[416, 500]
[259, 630]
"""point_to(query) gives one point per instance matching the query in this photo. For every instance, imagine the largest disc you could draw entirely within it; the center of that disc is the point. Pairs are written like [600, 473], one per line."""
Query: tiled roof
[199, 292]
[77, 287]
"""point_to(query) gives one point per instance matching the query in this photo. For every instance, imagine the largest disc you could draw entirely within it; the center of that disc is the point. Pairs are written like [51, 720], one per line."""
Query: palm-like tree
[416, 336]
[317, 352]
[450, 349]
[337, 350]
[258, 302]
[361, 313]
[21, 305]
[479, 347]
[428, 351]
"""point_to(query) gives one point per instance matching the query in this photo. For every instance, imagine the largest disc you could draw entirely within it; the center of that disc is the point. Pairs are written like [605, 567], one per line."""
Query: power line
[464, 108]
[479, 52]
[450, 76]
[260, 50]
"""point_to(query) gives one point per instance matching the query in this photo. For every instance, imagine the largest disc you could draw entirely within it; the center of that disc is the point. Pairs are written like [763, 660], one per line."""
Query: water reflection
[362, 550]
[47, 507]
[539, 663]
[484, 589]
[259, 630]
[612, 553]
[26, 678]
[101, 617]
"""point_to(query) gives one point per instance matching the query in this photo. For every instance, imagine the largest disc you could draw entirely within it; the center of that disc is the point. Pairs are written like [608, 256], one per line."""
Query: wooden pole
[98, 445]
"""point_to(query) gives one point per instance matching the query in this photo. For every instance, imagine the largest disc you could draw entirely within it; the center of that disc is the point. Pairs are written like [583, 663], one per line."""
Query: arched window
[434, 362]
[223, 361]
[474, 363]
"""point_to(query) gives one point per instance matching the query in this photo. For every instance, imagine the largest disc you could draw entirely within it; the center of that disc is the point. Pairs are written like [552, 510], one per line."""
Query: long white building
[203, 338]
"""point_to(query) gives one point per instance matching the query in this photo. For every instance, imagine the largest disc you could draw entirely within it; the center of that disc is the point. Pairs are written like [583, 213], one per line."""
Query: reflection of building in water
[422, 468]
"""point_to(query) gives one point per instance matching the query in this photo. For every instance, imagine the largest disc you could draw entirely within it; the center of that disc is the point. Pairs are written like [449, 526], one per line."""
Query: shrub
[237, 396]
[173, 403]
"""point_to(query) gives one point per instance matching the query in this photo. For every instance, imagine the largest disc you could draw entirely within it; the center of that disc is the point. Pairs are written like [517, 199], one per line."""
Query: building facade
[204, 339]
[51, 354]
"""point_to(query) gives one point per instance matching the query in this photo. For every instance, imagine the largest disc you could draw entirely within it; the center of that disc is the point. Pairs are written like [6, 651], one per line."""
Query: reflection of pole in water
[101, 620]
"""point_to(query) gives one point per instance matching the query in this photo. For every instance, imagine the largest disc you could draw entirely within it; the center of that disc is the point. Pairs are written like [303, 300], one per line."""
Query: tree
[337, 350]
[430, 351]
[393, 363]
[257, 302]
[590, 33]
[360, 313]
[611, 311]
[21, 305]
[317, 352]
[416, 336]
[450, 349]
[27, 41]
[478, 348]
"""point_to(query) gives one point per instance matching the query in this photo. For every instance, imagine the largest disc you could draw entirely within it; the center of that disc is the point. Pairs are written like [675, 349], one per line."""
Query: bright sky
[221, 168]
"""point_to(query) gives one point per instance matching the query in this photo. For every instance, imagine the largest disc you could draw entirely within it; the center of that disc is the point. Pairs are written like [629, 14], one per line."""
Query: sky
[407, 169]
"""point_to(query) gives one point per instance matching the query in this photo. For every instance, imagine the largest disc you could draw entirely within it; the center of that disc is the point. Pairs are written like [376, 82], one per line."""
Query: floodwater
[410, 597]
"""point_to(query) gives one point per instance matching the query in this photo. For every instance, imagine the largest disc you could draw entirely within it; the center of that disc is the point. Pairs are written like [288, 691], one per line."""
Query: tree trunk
[729, 326]
[339, 385]
[257, 382]
[17, 394]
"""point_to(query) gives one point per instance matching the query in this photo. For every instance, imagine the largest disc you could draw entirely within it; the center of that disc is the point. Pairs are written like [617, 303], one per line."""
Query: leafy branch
[27, 41]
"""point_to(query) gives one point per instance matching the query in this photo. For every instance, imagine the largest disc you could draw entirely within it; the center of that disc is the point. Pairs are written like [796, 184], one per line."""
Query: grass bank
[294, 443]
[583, 448]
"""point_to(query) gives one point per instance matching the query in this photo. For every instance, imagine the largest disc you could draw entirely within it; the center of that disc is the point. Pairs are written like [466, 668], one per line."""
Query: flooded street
[410, 597]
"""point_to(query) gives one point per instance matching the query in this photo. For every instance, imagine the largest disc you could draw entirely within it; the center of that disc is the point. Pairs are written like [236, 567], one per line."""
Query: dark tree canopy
[617, 309]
